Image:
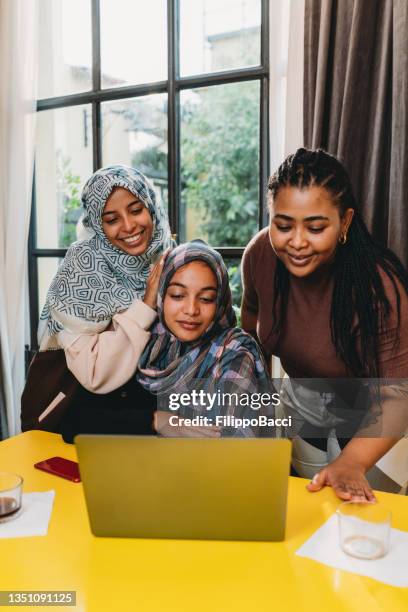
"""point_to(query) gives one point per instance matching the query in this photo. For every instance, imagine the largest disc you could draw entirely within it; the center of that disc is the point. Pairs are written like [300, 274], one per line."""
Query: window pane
[63, 163]
[219, 35]
[135, 134]
[133, 42]
[220, 163]
[65, 51]
[47, 268]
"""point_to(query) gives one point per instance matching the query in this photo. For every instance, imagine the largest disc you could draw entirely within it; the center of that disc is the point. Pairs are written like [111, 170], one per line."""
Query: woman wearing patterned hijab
[102, 276]
[101, 302]
[195, 343]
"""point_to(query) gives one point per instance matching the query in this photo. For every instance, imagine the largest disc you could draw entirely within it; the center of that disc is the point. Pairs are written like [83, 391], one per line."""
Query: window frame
[172, 87]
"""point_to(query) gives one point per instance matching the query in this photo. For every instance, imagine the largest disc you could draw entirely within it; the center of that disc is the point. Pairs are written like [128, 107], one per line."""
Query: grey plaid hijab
[96, 279]
[168, 363]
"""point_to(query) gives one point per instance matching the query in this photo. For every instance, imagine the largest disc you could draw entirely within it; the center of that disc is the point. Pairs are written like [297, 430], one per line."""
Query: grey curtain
[355, 103]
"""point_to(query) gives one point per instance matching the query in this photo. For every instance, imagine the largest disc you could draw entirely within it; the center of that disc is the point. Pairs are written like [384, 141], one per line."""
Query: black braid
[358, 293]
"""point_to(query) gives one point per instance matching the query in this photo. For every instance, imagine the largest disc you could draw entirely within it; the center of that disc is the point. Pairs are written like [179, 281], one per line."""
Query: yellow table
[172, 575]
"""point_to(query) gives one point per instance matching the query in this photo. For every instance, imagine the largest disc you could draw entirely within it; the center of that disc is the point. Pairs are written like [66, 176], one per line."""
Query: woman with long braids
[332, 303]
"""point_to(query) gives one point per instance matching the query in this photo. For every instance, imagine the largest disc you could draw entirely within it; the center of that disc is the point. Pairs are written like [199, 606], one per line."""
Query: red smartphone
[60, 467]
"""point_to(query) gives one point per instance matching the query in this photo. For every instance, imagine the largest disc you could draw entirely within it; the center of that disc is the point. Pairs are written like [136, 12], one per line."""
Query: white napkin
[32, 519]
[324, 546]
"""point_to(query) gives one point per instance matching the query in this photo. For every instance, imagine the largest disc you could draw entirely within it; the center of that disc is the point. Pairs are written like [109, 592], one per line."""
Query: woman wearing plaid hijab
[195, 341]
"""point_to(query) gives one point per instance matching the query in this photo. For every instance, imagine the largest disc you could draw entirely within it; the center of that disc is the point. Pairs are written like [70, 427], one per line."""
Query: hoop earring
[343, 239]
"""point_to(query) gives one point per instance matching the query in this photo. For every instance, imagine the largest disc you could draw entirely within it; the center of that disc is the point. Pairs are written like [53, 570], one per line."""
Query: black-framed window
[178, 88]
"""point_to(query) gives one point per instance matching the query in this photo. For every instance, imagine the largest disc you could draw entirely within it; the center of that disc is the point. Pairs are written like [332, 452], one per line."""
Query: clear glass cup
[11, 487]
[364, 529]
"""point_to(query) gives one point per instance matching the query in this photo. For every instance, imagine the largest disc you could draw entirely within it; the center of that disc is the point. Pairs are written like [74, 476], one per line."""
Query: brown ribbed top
[305, 345]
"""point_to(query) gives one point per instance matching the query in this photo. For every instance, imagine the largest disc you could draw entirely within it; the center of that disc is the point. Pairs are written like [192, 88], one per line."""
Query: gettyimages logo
[309, 408]
[220, 399]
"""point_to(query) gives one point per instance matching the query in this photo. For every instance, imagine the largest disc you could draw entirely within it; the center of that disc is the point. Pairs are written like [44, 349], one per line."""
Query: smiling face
[189, 305]
[305, 228]
[126, 222]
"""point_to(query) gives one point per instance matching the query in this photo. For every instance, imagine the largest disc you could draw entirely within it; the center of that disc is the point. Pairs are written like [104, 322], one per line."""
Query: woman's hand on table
[152, 286]
[347, 480]
[162, 425]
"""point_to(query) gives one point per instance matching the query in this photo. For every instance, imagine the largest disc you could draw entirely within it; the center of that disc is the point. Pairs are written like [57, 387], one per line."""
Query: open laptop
[212, 489]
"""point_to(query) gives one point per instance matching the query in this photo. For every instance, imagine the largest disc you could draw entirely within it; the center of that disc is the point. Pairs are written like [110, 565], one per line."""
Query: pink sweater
[103, 356]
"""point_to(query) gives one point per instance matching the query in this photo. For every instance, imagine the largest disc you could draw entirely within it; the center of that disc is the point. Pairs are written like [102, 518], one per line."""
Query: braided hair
[358, 292]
